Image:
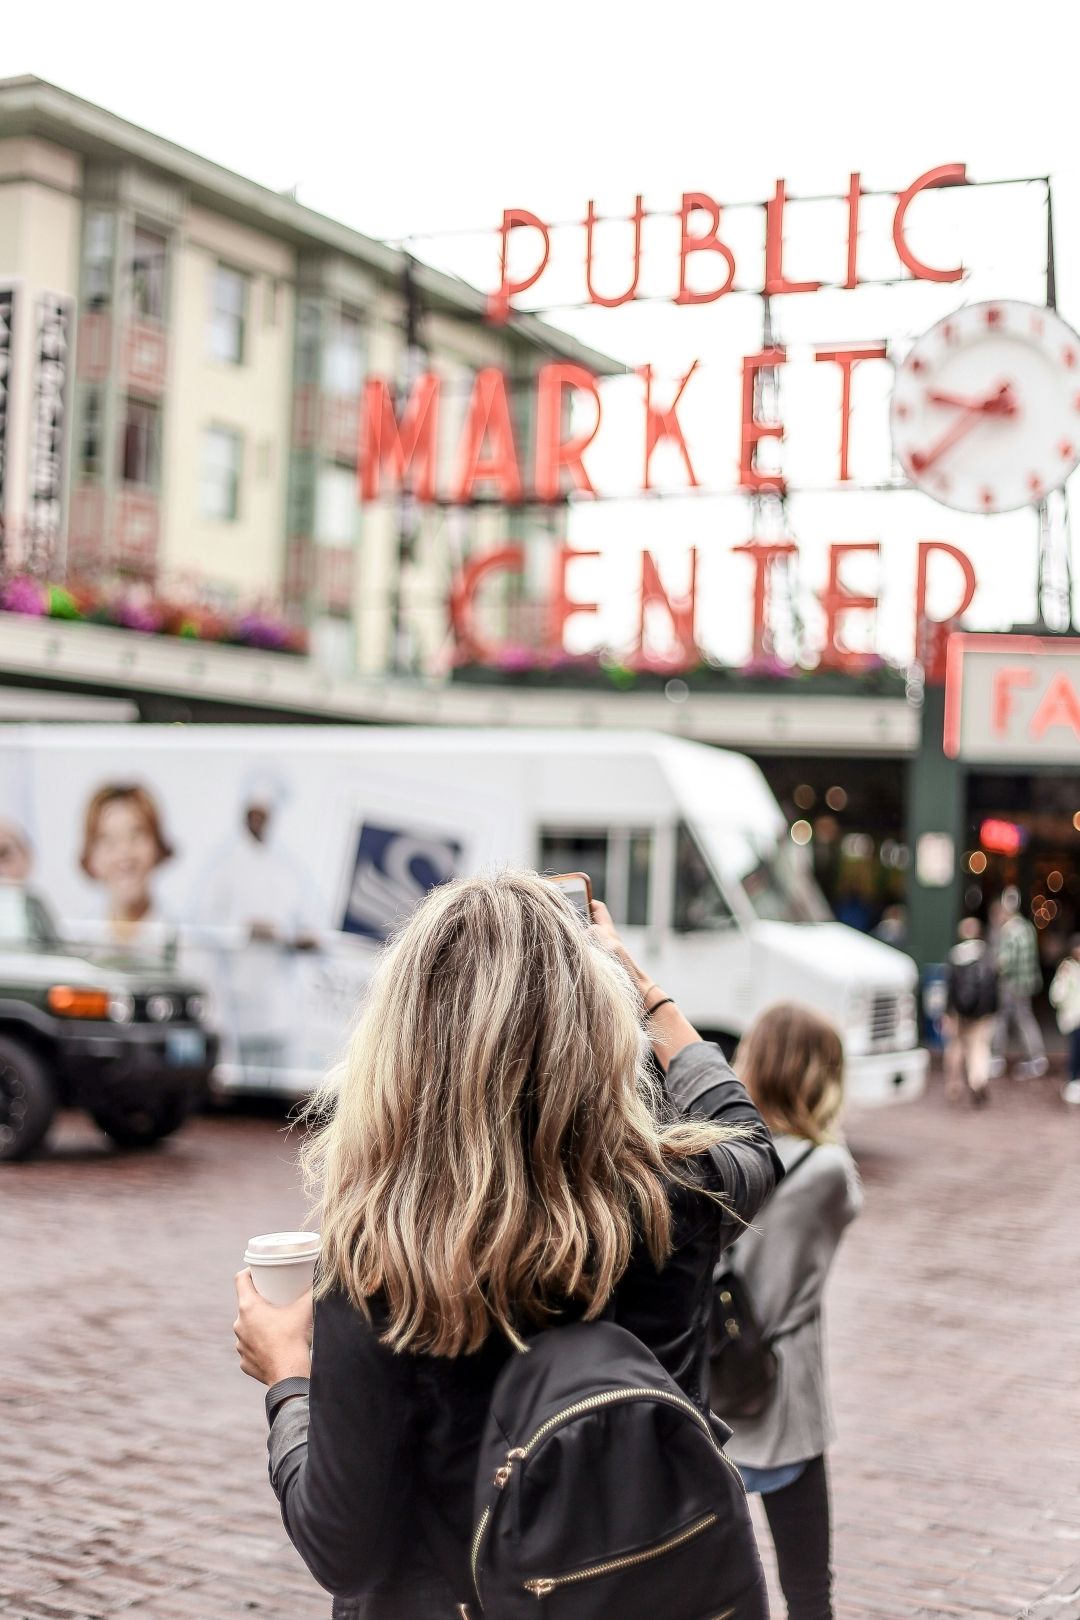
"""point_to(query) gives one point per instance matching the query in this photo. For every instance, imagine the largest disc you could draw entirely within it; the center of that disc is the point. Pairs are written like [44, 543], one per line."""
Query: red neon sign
[700, 218]
[1001, 837]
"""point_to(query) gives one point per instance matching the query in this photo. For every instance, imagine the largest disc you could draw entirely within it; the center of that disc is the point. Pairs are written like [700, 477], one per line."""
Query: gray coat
[785, 1260]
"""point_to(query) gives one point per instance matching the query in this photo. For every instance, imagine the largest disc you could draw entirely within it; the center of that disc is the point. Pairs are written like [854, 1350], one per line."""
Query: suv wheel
[134, 1125]
[27, 1100]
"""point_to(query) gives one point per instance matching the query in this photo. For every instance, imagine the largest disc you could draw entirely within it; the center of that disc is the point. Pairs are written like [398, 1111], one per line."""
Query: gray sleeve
[702, 1085]
[336, 1454]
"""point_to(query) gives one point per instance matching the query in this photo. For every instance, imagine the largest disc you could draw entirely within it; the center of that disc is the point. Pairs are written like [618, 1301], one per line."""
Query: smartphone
[578, 890]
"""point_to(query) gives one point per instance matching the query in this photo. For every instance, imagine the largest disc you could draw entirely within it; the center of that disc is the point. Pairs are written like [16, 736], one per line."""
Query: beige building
[181, 358]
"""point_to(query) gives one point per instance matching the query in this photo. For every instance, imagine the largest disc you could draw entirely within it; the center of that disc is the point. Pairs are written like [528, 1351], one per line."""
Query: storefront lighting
[805, 796]
[1002, 837]
[801, 832]
[1054, 882]
[836, 798]
[977, 862]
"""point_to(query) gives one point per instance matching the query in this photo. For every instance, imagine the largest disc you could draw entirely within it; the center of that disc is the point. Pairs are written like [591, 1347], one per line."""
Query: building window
[91, 438]
[343, 358]
[335, 506]
[219, 474]
[141, 461]
[98, 260]
[228, 318]
[308, 323]
[148, 251]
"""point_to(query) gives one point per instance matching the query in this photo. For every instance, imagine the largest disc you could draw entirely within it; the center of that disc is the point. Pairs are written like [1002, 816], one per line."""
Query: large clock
[986, 407]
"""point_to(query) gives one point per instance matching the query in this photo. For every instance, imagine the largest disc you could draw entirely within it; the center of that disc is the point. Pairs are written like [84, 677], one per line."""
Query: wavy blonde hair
[493, 1144]
[791, 1061]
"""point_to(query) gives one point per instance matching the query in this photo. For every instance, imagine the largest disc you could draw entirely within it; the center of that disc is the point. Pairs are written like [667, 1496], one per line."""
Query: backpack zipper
[609, 1398]
[544, 1588]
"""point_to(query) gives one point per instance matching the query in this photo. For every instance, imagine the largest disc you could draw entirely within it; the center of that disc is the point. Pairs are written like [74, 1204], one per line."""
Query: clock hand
[1001, 402]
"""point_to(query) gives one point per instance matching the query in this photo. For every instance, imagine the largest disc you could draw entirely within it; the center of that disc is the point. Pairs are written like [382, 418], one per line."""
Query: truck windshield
[773, 874]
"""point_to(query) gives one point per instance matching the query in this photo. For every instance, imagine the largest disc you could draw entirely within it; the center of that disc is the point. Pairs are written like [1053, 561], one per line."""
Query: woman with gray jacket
[791, 1062]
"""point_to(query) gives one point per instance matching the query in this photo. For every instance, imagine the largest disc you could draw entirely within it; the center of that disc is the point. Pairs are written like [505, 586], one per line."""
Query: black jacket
[383, 1443]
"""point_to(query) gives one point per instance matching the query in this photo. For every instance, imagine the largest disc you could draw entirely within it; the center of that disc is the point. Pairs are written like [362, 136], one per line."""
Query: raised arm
[700, 1082]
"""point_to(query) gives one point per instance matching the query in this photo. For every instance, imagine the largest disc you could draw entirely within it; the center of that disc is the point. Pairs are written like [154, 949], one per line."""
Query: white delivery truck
[270, 862]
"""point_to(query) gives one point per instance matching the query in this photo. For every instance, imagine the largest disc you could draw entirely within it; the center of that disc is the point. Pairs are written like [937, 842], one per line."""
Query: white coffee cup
[283, 1264]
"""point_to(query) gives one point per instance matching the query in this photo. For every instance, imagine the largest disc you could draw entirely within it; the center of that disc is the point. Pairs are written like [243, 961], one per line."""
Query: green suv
[89, 1028]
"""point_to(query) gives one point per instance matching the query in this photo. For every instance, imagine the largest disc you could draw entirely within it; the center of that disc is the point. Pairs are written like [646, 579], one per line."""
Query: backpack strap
[796, 1164]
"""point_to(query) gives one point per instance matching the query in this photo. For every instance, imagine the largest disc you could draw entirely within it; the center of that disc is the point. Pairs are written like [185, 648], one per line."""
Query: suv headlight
[198, 1008]
[122, 1007]
[160, 1008]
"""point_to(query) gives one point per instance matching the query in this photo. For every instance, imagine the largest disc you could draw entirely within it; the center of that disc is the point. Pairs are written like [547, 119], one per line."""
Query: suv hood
[59, 964]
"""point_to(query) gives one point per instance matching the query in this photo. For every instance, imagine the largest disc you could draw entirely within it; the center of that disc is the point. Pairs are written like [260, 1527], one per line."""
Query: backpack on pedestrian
[602, 1492]
[973, 984]
[743, 1368]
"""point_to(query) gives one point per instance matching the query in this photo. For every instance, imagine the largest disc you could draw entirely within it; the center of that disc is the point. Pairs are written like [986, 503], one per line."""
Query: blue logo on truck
[393, 870]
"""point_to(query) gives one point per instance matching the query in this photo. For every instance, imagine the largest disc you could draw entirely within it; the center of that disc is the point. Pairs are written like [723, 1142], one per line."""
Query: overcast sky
[433, 117]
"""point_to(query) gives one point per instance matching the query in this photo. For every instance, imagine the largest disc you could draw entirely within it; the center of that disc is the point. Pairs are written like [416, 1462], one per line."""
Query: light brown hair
[120, 793]
[493, 1147]
[791, 1061]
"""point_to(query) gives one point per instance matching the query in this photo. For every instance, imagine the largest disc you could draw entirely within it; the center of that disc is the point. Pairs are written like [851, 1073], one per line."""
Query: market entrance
[1021, 829]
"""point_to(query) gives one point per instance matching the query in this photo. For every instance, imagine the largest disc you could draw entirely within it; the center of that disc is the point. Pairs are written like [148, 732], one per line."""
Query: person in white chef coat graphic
[255, 890]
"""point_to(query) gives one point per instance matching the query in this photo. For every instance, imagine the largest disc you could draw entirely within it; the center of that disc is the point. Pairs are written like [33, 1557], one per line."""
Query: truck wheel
[27, 1100]
[134, 1125]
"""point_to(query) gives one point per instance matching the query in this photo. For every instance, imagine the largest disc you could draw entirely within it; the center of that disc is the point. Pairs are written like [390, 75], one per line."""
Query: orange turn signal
[75, 1003]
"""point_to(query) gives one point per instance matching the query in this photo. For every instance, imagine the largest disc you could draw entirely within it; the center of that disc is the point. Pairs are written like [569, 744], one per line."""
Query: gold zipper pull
[502, 1475]
[542, 1589]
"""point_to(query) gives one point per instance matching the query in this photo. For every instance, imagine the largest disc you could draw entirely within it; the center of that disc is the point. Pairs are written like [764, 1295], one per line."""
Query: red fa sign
[1013, 699]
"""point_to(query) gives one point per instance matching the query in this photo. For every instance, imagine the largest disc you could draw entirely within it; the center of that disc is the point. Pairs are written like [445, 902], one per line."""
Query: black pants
[799, 1522]
[1074, 1054]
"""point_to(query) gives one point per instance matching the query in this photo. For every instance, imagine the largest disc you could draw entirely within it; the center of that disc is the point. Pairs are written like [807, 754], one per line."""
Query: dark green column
[935, 805]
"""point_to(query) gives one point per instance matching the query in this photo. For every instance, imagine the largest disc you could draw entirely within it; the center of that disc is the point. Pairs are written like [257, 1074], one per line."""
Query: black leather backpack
[603, 1493]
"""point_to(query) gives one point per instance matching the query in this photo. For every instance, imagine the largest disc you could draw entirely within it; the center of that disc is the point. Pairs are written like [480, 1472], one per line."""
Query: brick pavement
[132, 1472]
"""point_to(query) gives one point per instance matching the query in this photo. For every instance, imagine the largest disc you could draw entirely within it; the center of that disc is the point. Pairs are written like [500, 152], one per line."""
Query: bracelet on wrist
[666, 1001]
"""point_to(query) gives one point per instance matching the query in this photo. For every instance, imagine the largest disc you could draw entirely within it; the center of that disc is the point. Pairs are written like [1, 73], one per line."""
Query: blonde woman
[497, 1160]
[791, 1061]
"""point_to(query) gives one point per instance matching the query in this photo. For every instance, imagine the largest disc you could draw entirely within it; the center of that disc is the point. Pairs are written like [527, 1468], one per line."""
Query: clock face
[985, 410]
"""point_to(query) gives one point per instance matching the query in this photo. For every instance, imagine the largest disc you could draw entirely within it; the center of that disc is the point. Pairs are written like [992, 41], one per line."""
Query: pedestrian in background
[1065, 998]
[497, 1160]
[971, 1013]
[1019, 978]
[791, 1061]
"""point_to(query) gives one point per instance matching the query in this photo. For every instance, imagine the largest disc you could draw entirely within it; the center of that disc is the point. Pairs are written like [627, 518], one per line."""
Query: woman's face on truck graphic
[122, 850]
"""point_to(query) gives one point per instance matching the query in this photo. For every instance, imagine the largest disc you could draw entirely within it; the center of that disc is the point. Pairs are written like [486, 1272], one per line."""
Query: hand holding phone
[578, 890]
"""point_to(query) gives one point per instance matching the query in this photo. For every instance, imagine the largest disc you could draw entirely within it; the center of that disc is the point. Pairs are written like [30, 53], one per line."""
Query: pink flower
[22, 595]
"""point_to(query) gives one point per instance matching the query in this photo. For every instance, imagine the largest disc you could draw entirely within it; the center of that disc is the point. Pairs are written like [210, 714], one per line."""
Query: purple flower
[24, 596]
[512, 660]
[770, 665]
[259, 630]
[132, 613]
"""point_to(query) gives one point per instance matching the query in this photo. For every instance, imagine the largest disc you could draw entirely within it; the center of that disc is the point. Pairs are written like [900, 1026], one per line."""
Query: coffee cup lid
[272, 1246]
